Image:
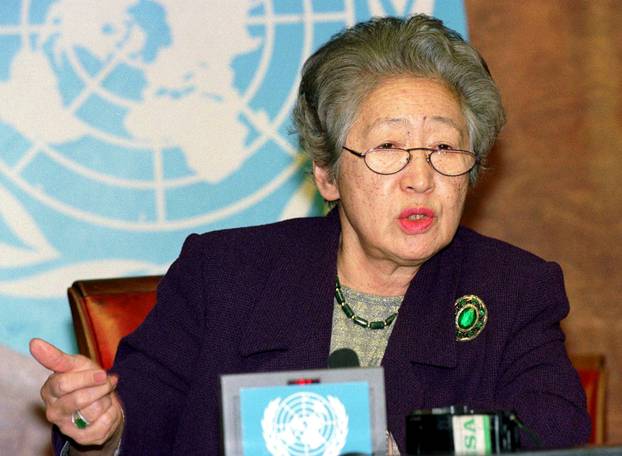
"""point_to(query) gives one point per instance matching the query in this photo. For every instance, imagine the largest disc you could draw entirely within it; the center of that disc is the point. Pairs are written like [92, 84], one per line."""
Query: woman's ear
[326, 185]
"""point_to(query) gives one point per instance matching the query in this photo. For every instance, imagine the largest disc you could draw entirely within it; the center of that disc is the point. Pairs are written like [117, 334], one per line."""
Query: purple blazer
[261, 299]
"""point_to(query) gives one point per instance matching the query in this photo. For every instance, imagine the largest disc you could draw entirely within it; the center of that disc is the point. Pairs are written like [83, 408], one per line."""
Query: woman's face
[407, 217]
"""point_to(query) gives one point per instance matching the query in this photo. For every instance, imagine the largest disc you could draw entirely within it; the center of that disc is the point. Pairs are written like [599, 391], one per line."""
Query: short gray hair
[337, 77]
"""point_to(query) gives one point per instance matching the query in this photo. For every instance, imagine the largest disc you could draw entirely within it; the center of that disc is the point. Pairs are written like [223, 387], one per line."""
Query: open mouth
[416, 220]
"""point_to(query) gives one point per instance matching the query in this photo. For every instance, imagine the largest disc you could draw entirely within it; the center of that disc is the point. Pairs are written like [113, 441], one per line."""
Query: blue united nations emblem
[305, 424]
[127, 124]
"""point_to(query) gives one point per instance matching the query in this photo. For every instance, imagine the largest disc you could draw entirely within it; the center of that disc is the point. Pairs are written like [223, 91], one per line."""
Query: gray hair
[337, 77]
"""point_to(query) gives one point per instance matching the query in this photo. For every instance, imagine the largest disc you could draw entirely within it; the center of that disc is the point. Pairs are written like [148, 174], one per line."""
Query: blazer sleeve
[537, 379]
[155, 363]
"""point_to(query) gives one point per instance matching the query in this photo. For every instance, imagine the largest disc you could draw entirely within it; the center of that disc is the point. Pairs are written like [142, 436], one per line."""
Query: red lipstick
[416, 220]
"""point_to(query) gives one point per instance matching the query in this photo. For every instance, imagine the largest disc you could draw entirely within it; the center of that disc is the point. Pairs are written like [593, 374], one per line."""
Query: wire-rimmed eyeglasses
[443, 160]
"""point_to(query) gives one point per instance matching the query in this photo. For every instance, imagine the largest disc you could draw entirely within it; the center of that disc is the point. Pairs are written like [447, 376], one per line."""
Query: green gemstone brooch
[471, 317]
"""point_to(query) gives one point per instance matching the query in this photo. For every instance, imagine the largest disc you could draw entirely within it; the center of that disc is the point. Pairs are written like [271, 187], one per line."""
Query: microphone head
[343, 357]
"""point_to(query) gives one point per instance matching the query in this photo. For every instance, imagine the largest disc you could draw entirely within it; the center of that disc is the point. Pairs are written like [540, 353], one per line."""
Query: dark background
[555, 187]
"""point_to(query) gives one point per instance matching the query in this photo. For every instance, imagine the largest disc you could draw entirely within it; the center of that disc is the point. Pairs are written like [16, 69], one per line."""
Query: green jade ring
[79, 421]
[471, 317]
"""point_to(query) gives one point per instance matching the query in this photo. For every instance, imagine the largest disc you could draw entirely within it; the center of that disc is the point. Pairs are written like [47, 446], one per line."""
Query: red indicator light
[303, 381]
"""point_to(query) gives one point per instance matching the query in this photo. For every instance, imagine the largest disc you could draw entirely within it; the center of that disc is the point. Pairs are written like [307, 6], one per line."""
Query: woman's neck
[378, 276]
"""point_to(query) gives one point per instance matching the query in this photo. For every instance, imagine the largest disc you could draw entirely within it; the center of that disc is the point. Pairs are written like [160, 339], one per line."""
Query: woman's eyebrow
[450, 122]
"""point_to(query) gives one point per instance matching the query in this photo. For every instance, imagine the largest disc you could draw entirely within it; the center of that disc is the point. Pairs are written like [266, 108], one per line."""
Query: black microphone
[343, 357]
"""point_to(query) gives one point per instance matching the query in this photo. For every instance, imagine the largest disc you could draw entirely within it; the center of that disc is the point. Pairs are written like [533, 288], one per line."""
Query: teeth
[416, 217]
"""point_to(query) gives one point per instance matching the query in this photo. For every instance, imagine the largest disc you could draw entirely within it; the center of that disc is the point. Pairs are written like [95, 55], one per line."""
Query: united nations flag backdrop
[127, 124]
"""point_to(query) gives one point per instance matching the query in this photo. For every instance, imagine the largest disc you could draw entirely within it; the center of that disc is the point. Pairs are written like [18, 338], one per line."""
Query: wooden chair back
[593, 374]
[106, 310]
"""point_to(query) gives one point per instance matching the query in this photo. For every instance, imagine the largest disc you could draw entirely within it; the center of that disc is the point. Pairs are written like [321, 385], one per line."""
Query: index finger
[57, 360]
[97, 382]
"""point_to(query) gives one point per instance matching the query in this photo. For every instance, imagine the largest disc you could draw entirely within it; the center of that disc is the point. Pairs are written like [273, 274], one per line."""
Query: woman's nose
[418, 176]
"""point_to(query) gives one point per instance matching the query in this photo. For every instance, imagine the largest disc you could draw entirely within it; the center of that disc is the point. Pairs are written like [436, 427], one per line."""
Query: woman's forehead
[409, 102]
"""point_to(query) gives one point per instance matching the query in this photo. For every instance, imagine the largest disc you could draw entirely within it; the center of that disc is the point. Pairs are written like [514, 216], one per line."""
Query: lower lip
[416, 226]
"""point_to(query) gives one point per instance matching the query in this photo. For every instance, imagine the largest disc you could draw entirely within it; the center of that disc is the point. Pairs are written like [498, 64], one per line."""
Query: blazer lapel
[294, 314]
[424, 333]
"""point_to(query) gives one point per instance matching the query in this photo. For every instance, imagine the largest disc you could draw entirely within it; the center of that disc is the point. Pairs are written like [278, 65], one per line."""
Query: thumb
[57, 360]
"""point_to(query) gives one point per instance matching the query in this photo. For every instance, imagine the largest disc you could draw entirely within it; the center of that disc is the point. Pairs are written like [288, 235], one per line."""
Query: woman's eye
[443, 147]
[386, 146]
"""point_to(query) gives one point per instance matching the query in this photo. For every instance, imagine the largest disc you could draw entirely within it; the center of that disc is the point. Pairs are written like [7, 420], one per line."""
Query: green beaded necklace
[380, 324]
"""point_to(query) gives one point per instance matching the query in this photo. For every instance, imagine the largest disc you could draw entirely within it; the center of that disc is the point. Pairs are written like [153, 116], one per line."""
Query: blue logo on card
[320, 419]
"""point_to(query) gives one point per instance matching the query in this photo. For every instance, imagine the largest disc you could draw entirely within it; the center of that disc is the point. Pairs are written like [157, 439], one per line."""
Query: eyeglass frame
[410, 156]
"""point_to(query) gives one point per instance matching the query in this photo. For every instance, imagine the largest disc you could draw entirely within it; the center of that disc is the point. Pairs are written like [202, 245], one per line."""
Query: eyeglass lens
[448, 162]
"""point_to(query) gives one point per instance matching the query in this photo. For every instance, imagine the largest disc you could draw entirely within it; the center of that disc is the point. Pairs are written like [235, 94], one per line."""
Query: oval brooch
[471, 317]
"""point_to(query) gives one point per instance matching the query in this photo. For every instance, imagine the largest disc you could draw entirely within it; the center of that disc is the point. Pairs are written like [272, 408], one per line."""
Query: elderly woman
[397, 117]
